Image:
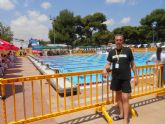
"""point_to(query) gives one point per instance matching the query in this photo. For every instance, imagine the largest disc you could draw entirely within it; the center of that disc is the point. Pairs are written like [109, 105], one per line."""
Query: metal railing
[149, 80]
[34, 94]
[81, 51]
[143, 49]
[33, 99]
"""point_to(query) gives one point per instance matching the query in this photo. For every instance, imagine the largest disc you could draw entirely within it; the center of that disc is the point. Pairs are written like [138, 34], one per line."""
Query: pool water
[77, 63]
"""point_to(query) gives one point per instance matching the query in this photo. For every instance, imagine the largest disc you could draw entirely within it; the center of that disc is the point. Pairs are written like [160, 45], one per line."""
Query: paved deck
[150, 110]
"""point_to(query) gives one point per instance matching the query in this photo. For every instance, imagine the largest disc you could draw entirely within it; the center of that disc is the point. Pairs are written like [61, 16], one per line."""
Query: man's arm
[106, 69]
[134, 70]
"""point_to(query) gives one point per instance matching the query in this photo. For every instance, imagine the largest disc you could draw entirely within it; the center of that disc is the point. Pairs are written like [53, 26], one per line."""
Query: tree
[93, 24]
[143, 35]
[5, 33]
[63, 27]
[43, 43]
[78, 31]
[130, 33]
[74, 30]
[157, 15]
[144, 32]
[101, 37]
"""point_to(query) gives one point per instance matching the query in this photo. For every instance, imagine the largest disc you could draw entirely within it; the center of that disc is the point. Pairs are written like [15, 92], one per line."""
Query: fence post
[133, 112]
[161, 72]
[3, 98]
[106, 115]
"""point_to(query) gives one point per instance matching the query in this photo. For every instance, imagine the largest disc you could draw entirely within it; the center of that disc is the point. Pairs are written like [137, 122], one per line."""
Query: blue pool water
[76, 63]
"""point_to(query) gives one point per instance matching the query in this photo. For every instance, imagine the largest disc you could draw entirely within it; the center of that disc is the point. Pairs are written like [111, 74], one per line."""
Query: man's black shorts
[121, 85]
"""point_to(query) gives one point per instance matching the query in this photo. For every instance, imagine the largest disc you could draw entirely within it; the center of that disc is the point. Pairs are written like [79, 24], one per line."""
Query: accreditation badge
[117, 65]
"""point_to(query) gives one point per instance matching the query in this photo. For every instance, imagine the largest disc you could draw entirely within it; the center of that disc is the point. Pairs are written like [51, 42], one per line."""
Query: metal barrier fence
[37, 101]
[149, 80]
[143, 49]
[81, 51]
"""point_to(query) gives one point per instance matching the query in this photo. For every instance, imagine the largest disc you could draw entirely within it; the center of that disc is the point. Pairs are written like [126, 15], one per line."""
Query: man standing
[121, 59]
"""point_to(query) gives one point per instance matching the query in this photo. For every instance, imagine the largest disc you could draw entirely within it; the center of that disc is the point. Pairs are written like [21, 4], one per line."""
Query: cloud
[115, 1]
[26, 4]
[32, 25]
[45, 5]
[34, 15]
[132, 2]
[15, 2]
[125, 20]
[17, 13]
[129, 2]
[109, 22]
[6, 5]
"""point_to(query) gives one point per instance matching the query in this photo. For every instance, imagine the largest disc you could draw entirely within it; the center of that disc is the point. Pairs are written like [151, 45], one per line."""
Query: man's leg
[126, 107]
[119, 102]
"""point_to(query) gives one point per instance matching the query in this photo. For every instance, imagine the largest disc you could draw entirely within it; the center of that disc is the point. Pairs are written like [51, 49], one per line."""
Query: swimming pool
[77, 63]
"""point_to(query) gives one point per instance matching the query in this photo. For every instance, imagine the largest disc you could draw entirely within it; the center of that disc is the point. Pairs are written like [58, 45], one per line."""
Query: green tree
[143, 35]
[63, 28]
[74, 30]
[93, 24]
[78, 31]
[157, 15]
[43, 43]
[102, 37]
[5, 33]
[130, 33]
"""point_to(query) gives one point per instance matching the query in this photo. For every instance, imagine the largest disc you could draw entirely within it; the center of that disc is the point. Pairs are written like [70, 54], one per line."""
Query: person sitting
[2, 70]
[158, 58]
[4, 64]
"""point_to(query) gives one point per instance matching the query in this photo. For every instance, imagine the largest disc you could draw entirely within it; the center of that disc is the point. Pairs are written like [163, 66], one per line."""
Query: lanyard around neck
[117, 55]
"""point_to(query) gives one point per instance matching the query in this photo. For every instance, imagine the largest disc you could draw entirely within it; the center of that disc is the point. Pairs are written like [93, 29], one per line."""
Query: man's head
[119, 39]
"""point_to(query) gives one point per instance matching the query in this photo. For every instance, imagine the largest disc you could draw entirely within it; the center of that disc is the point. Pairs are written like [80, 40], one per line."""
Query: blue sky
[31, 18]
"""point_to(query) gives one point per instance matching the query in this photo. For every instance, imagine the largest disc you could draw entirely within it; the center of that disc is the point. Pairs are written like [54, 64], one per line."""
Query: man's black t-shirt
[121, 60]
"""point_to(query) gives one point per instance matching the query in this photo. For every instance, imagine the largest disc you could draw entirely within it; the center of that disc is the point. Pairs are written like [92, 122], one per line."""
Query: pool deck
[150, 109]
[45, 70]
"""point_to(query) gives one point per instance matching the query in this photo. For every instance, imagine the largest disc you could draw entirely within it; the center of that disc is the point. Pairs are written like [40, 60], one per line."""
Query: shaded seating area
[7, 56]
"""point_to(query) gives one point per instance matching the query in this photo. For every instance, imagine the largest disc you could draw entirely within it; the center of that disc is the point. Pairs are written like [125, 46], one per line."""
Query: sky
[31, 18]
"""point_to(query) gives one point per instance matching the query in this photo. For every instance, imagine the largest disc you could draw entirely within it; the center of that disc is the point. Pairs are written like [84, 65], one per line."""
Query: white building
[19, 43]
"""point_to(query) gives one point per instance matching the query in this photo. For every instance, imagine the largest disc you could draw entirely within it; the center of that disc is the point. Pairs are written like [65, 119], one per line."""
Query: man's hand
[106, 70]
[135, 73]
[136, 80]
[105, 73]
